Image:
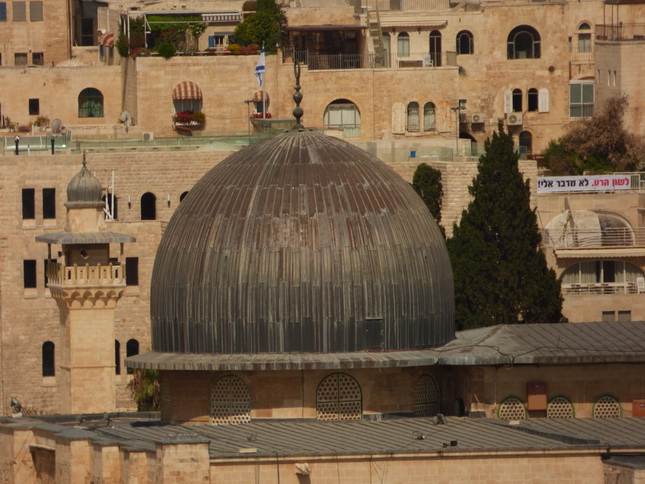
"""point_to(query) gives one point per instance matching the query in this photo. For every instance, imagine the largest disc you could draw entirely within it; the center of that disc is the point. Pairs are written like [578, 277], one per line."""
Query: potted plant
[189, 119]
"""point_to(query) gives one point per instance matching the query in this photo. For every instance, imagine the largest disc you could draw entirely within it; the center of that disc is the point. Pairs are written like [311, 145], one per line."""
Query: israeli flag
[259, 69]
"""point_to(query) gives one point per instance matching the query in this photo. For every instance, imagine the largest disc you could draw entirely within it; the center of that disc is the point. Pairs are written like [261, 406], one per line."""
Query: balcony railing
[87, 275]
[367, 61]
[620, 32]
[574, 238]
[598, 288]
[582, 56]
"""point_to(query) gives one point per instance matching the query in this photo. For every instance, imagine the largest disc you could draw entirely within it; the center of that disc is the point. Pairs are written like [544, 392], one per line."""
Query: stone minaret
[86, 284]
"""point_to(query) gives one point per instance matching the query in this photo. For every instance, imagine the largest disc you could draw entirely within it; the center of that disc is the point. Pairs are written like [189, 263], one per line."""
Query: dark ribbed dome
[301, 243]
[84, 188]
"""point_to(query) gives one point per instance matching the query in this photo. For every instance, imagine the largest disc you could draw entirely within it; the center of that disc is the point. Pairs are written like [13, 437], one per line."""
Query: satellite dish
[57, 124]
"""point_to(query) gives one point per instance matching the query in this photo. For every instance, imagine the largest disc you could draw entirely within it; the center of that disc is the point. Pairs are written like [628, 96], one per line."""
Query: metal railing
[620, 32]
[366, 61]
[341, 61]
[600, 288]
[574, 238]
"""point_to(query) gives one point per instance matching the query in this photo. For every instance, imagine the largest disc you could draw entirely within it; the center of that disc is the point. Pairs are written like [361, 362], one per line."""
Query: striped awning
[107, 39]
[186, 90]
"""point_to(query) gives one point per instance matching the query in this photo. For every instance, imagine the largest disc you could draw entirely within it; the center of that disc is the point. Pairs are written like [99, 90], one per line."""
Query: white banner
[598, 183]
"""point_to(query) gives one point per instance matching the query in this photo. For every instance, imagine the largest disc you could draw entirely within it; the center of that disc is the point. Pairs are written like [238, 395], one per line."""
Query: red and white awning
[186, 90]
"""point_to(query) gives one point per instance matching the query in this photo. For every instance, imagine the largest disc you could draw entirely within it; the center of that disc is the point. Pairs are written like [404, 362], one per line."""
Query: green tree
[426, 181]
[264, 27]
[500, 272]
[145, 390]
[599, 144]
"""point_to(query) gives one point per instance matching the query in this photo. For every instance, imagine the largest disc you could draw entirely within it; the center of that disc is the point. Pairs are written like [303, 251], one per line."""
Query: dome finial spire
[84, 157]
[297, 97]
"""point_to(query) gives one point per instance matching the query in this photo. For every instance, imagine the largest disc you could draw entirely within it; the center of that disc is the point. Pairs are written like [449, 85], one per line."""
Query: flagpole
[264, 100]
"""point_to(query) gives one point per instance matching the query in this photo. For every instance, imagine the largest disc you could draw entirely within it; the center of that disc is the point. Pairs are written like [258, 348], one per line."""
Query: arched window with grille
[49, 359]
[90, 103]
[465, 43]
[607, 406]
[523, 43]
[426, 397]
[343, 114]
[560, 407]
[148, 206]
[511, 408]
[339, 397]
[412, 125]
[230, 401]
[429, 117]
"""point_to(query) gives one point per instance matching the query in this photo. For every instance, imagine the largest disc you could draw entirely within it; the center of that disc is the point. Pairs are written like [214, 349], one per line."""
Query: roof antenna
[297, 97]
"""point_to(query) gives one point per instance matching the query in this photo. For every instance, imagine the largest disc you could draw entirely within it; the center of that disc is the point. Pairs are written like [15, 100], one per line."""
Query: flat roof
[271, 438]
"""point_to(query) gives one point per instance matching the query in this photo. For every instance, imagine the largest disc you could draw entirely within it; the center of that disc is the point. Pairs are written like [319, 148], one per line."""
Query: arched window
[187, 97]
[435, 47]
[523, 43]
[560, 407]
[148, 206]
[90, 103]
[526, 143]
[429, 117]
[131, 349]
[339, 397]
[230, 401]
[607, 406]
[343, 114]
[117, 357]
[426, 397]
[182, 196]
[511, 408]
[110, 212]
[49, 358]
[584, 37]
[533, 98]
[465, 44]
[413, 118]
[403, 45]
[517, 100]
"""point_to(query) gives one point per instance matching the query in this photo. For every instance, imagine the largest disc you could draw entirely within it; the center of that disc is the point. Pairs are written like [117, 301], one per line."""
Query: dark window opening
[114, 211]
[132, 271]
[465, 43]
[20, 59]
[533, 99]
[49, 358]
[45, 269]
[34, 107]
[3, 11]
[131, 349]
[29, 273]
[49, 203]
[182, 196]
[90, 103]
[28, 204]
[526, 142]
[517, 100]
[523, 43]
[38, 59]
[117, 357]
[148, 206]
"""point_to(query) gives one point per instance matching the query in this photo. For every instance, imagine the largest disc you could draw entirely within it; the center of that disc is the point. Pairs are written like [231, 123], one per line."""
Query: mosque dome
[301, 243]
[84, 188]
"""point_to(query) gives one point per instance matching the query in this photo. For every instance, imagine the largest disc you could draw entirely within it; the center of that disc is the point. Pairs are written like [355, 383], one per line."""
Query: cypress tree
[426, 181]
[500, 272]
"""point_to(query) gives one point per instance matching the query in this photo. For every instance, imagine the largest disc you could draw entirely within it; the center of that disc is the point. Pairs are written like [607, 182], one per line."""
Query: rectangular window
[19, 11]
[49, 203]
[20, 59]
[34, 107]
[45, 267]
[29, 273]
[3, 11]
[624, 316]
[581, 100]
[36, 11]
[132, 271]
[609, 316]
[38, 59]
[28, 203]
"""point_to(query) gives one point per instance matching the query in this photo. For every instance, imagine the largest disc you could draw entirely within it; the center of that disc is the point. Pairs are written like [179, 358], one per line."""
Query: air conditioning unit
[148, 136]
[514, 119]
[477, 118]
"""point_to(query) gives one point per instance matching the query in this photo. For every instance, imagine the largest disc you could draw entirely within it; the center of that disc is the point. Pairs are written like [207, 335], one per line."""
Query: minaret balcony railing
[85, 275]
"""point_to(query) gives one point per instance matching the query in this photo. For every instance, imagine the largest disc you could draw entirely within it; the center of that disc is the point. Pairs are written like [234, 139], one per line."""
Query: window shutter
[211, 41]
[3, 11]
[508, 101]
[19, 11]
[36, 11]
[399, 116]
[543, 100]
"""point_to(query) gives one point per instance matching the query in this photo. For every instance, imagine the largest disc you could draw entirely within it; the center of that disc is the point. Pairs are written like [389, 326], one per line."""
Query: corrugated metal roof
[85, 238]
[571, 343]
[405, 435]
